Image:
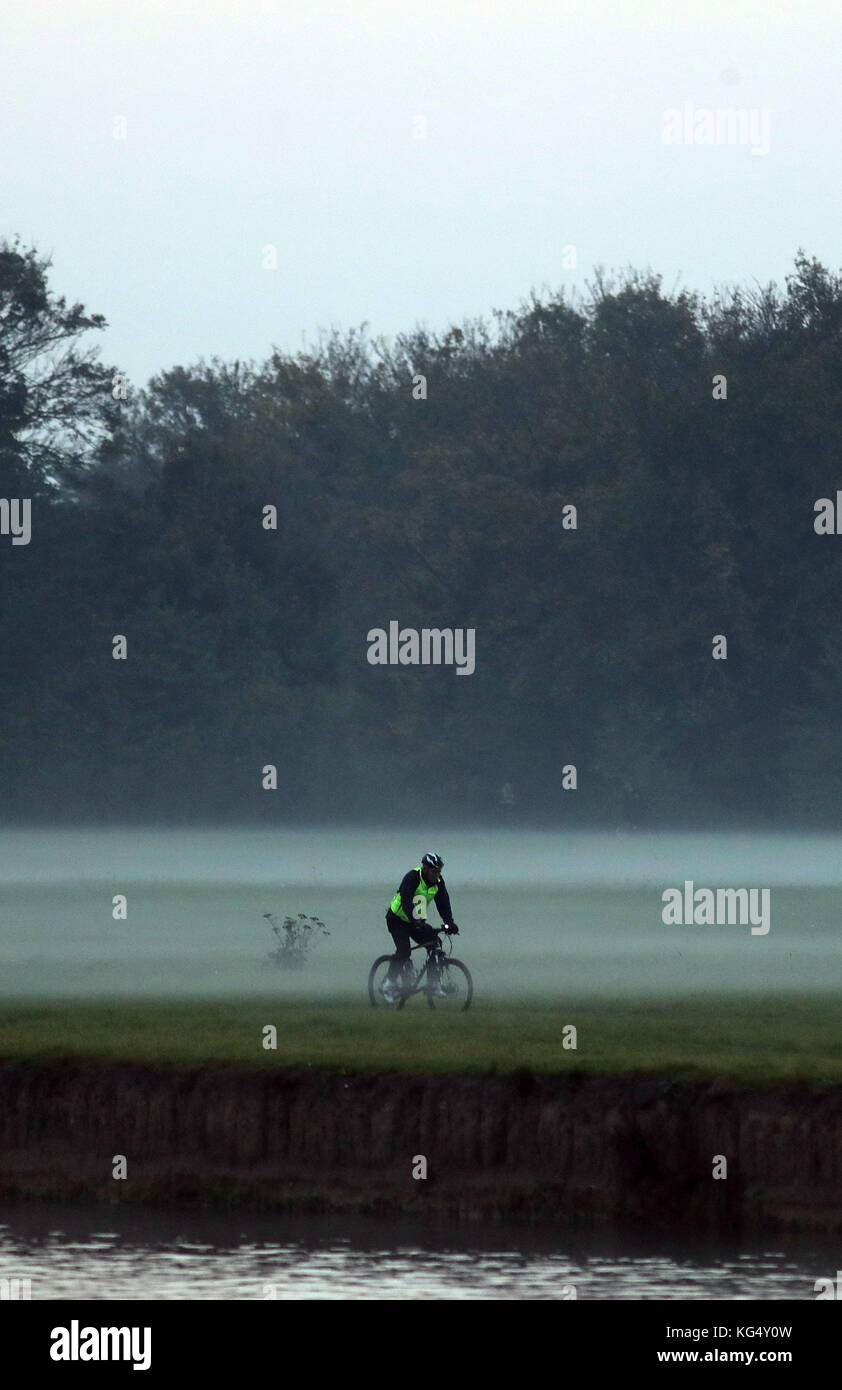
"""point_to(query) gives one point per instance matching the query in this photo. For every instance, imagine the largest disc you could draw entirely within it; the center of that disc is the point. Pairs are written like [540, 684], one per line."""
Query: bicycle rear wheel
[404, 982]
[455, 988]
[376, 976]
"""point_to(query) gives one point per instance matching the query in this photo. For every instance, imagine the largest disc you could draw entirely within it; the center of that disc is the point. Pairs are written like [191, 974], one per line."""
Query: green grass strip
[756, 1041]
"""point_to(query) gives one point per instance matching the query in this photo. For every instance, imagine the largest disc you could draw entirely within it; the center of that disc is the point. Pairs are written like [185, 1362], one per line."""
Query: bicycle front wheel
[454, 989]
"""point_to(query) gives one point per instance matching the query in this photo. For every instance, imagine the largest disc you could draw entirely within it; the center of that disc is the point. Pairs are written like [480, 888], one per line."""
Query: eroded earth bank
[572, 1149]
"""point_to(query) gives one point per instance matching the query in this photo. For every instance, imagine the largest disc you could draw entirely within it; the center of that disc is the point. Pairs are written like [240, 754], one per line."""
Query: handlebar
[427, 945]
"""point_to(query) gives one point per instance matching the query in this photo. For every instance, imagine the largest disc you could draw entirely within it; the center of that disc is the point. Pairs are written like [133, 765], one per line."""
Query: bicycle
[446, 982]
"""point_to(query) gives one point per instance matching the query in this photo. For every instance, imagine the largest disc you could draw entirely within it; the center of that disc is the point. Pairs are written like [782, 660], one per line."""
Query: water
[88, 1254]
[567, 914]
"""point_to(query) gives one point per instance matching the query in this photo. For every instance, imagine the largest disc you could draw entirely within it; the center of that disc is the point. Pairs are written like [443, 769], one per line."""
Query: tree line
[431, 479]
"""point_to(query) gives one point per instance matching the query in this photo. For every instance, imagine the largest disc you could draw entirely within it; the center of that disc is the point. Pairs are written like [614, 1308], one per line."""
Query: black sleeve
[407, 890]
[442, 902]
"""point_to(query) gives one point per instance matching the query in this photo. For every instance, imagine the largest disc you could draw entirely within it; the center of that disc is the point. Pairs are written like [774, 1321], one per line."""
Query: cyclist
[407, 916]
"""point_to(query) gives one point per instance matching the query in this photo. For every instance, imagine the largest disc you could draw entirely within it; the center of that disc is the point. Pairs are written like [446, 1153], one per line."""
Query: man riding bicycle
[407, 916]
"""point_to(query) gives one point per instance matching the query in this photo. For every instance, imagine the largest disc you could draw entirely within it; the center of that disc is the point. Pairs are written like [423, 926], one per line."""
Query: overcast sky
[410, 163]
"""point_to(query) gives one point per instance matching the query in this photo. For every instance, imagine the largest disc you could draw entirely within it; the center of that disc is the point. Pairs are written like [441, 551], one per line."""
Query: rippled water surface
[87, 1253]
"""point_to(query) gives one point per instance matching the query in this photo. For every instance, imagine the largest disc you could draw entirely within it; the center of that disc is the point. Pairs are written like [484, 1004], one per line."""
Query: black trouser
[401, 934]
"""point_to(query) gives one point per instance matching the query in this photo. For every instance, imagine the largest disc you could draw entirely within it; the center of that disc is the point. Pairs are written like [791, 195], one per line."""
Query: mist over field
[551, 915]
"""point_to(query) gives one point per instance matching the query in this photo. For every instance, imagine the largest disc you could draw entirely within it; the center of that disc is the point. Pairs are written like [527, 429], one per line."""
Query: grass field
[754, 1041]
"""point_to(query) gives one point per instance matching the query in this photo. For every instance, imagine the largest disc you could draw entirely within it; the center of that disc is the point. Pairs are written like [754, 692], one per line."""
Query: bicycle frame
[434, 949]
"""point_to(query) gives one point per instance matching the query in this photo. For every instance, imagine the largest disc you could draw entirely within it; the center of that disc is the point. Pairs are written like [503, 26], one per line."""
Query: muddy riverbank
[567, 1149]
